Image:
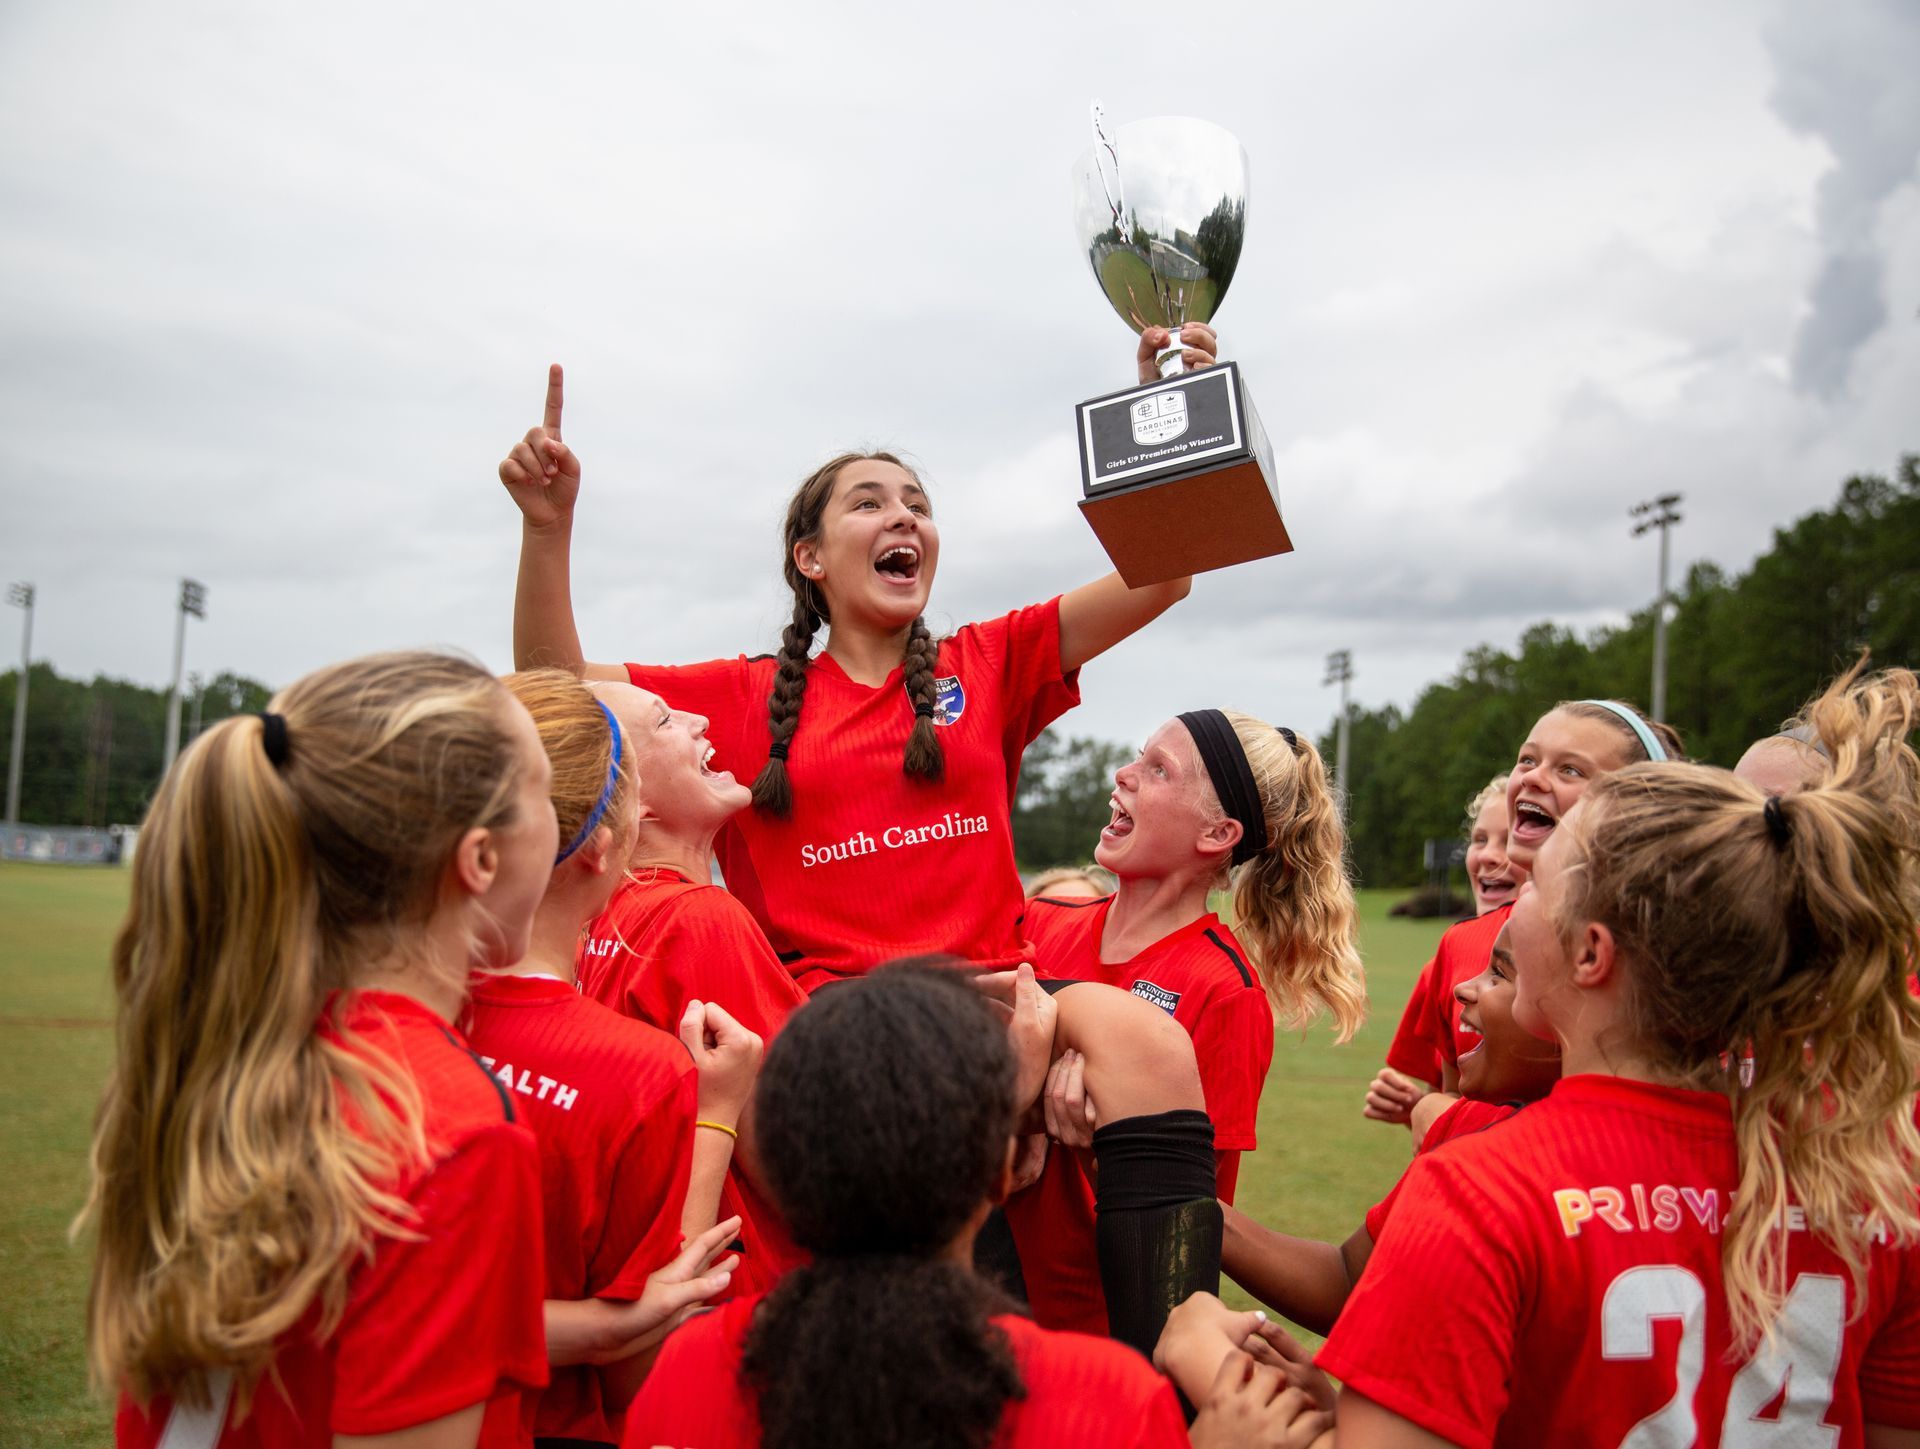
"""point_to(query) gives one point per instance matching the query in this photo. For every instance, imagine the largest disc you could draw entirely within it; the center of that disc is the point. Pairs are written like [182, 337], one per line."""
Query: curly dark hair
[883, 1113]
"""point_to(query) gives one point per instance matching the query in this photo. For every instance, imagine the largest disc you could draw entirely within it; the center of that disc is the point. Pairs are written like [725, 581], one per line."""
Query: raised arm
[1097, 616]
[542, 476]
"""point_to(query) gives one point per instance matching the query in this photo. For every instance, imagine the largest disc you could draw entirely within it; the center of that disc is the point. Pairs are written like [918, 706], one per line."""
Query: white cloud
[277, 290]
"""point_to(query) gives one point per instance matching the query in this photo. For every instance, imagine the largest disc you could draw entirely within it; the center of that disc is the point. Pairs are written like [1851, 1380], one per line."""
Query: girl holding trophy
[888, 739]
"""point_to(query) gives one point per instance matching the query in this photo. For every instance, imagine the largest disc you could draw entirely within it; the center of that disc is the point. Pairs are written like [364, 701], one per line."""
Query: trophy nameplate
[1177, 474]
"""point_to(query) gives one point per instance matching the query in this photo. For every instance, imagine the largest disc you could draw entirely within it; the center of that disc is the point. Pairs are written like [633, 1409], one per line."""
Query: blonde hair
[1494, 789]
[1096, 880]
[1293, 903]
[579, 744]
[1785, 928]
[242, 1161]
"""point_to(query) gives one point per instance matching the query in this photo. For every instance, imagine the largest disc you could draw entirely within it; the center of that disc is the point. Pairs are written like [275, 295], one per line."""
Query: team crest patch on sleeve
[949, 699]
[1159, 995]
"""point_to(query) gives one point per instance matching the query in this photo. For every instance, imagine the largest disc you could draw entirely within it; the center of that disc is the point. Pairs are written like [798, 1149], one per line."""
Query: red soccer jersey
[1430, 1032]
[1201, 977]
[1578, 1253]
[611, 1103]
[1462, 1119]
[434, 1325]
[664, 941]
[1080, 1392]
[1199, 974]
[873, 863]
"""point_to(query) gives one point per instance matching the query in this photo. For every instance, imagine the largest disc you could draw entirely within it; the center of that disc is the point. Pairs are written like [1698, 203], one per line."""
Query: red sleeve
[1033, 691]
[1463, 1119]
[1226, 1175]
[1377, 1215]
[711, 950]
[1890, 1369]
[646, 1197]
[1233, 1041]
[717, 689]
[451, 1319]
[1446, 1245]
[1415, 1051]
[1452, 1123]
[1162, 1426]
[693, 1394]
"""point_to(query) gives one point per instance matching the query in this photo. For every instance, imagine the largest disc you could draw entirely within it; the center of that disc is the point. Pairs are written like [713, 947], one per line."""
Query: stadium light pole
[193, 600]
[199, 688]
[21, 597]
[1340, 672]
[1661, 513]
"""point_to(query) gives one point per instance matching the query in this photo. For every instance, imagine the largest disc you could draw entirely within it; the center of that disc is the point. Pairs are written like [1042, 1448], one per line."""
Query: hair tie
[1778, 826]
[606, 793]
[778, 751]
[1226, 761]
[1649, 741]
[273, 738]
[1293, 740]
[925, 711]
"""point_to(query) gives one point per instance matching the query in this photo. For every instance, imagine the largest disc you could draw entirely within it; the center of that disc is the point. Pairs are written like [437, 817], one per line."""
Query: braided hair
[923, 759]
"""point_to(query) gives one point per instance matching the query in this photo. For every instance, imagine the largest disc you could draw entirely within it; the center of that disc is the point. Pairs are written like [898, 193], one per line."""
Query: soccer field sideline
[1319, 1166]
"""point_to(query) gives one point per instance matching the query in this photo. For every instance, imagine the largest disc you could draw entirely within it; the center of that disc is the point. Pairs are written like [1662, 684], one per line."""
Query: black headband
[1232, 776]
[273, 738]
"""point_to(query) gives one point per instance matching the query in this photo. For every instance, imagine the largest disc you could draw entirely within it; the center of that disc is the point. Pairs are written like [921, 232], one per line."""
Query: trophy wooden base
[1173, 527]
[1179, 477]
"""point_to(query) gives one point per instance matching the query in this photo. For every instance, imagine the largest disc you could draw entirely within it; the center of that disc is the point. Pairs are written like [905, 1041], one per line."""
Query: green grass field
[1319, 1166]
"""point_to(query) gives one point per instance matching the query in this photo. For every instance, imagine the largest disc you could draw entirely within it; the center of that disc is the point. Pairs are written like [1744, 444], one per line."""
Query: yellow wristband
[718, 1127]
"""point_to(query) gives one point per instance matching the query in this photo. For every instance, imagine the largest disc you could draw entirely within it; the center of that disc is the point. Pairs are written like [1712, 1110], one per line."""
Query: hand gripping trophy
[1178, 475]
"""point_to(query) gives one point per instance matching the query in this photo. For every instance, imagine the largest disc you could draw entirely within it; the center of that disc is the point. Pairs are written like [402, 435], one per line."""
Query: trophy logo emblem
[1159, 418]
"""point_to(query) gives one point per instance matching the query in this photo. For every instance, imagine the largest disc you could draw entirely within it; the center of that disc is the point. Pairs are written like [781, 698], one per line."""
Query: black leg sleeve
[1159, 1227]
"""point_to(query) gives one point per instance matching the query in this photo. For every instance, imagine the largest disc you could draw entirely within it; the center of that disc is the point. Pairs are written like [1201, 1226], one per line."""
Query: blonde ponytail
[242, 1161]
[1783, 929]
[1293, 903]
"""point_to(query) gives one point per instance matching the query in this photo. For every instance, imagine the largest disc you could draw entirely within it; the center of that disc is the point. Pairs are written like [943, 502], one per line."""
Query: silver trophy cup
[1160, 211]
[1178, 474]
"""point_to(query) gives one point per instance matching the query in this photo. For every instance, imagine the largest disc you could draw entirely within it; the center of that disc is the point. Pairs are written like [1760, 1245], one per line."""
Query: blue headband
[1648, 740]
[606, 795]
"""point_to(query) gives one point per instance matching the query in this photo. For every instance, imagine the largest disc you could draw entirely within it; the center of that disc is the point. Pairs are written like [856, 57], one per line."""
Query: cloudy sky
[278, 286]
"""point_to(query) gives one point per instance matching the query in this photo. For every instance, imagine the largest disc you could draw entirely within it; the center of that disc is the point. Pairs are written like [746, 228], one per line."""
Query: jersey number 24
[1802, 1356]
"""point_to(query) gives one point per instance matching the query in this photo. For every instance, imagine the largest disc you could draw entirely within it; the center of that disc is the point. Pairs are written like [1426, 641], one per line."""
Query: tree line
[94, 747]
[1744, 651]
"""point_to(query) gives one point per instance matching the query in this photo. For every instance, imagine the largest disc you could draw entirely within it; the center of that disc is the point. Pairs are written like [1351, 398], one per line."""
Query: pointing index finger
[556, 387]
